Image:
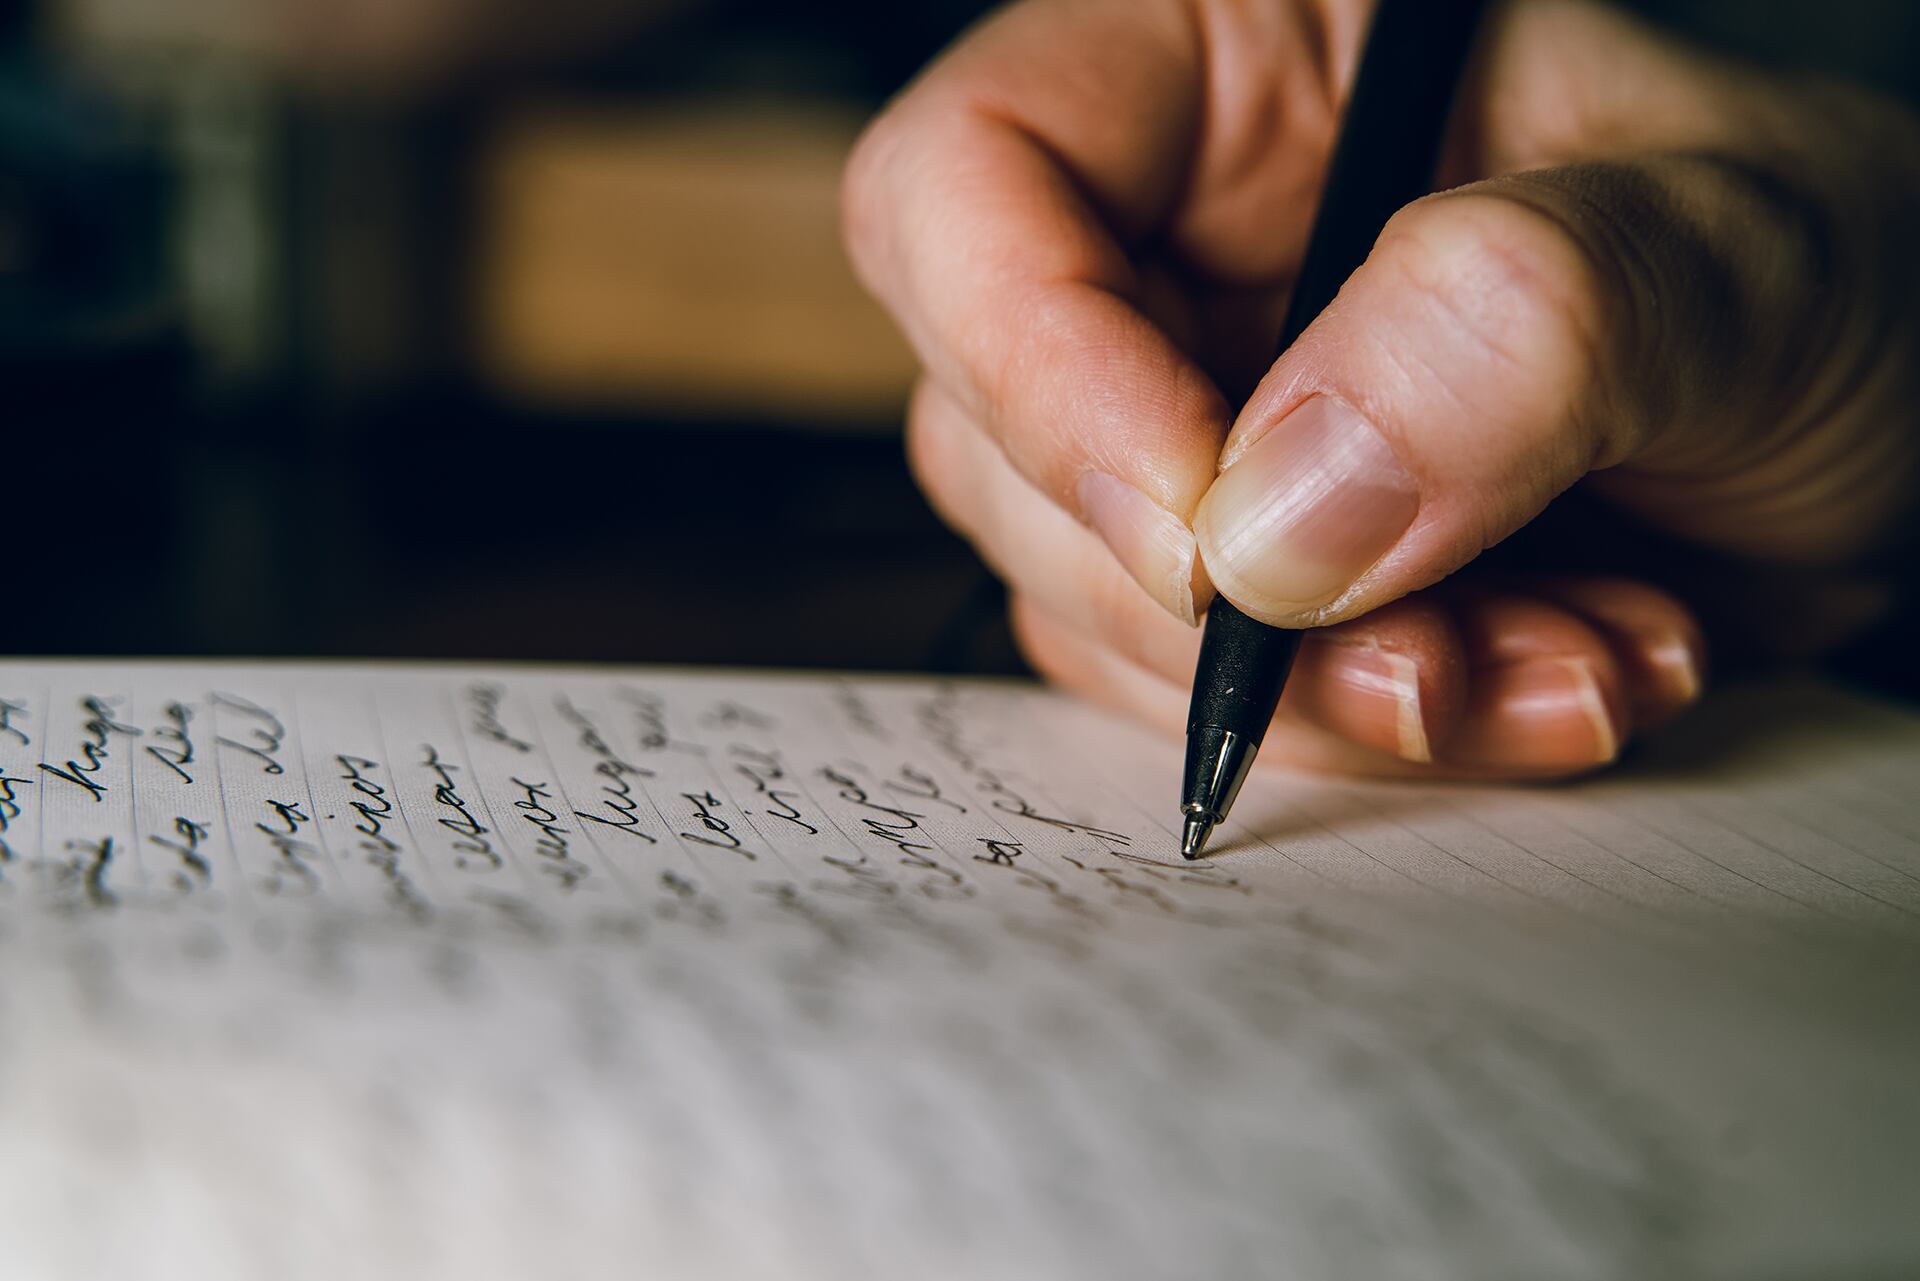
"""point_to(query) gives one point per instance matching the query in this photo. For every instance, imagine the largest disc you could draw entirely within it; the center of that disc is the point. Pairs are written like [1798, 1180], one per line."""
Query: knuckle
[865, 199]
[1519, 280]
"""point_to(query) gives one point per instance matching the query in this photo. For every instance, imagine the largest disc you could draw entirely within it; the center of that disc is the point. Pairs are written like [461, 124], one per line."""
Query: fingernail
[1557, 710]
[1369, 695]
[1150, 541]
[1676, 666]
[1304, 511]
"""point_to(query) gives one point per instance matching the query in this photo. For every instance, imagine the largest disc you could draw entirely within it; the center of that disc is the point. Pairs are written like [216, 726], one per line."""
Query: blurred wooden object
[685, 260]
[360, 46]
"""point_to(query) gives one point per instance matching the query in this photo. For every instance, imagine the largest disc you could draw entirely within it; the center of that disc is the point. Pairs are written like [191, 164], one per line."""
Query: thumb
[1503, 340]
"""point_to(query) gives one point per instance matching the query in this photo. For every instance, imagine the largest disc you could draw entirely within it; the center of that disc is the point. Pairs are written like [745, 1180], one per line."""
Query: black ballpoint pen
[1389, 143]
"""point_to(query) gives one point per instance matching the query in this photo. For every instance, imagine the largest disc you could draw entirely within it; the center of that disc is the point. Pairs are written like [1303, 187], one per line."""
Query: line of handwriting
[82, 769]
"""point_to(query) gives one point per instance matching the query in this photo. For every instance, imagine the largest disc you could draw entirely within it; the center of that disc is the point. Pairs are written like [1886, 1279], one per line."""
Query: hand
[1690, 290]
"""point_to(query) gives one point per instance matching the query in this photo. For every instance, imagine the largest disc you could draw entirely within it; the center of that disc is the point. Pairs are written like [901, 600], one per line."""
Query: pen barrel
[1243, 665]
[1390, 139]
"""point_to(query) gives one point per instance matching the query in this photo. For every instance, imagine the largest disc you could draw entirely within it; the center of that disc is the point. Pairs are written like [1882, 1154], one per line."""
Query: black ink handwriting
[719, 833]
[99, 728]
[891, 824]
[939, 719]
[1000, 853]
[185, 841]
[650, 715]
[1211, 875]
[263, 740]
[864, 881]
[618, 787]
[1011, 802]
[727, 714]
[1008, 854]
[484, 701]
[177, 753]
[93, 870]
[373, 809]
[921, 786]
[9, 710]
[763, 769]
[688, 901]
[787, 898]
[853, 705]
[554, 845]
[471, 833]
[10, 800]
[292, 874]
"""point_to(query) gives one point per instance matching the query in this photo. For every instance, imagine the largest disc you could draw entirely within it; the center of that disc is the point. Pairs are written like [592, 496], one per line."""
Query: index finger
[993, 209]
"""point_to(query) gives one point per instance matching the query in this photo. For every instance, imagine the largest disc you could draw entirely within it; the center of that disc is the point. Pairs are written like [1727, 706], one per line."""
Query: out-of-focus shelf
[681, 259]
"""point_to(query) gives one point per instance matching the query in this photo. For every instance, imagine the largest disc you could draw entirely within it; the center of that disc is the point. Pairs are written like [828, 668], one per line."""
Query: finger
[1483, 683]
[1658, 645]
[992, 209]
[1506, 339]
[1031, 543]
[1393, 681]
[1070, 659]
[1548, 691]
[1073, 660]
[1525, 720]
[1546, 696]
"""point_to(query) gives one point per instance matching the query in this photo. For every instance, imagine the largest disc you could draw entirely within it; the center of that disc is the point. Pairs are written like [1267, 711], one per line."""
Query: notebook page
[508, 972]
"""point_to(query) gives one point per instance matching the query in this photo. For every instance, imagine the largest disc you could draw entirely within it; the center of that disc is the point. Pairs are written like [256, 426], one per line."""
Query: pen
[1388, 145]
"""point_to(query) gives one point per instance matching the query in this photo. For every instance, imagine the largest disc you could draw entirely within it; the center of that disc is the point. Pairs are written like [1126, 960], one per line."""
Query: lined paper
[508, 972]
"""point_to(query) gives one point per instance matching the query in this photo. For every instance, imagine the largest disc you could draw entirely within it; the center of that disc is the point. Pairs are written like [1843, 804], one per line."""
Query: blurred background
[495, 328]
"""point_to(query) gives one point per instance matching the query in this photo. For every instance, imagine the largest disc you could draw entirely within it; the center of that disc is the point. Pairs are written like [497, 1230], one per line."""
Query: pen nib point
[1193, 836]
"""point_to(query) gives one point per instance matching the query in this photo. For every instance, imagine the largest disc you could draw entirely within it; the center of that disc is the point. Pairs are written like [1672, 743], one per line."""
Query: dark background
[251, 401]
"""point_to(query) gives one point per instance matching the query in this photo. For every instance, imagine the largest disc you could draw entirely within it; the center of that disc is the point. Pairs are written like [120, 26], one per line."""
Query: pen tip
[1193, 836]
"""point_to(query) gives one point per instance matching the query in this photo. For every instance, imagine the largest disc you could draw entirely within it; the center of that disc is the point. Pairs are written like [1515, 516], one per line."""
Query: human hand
[1684, 287]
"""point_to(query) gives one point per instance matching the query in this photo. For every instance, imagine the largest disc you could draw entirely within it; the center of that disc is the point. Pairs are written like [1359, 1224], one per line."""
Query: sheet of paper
[487, 972]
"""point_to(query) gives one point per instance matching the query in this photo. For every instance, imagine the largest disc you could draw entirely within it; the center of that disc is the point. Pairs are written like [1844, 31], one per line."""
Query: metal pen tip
[1193, 835]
